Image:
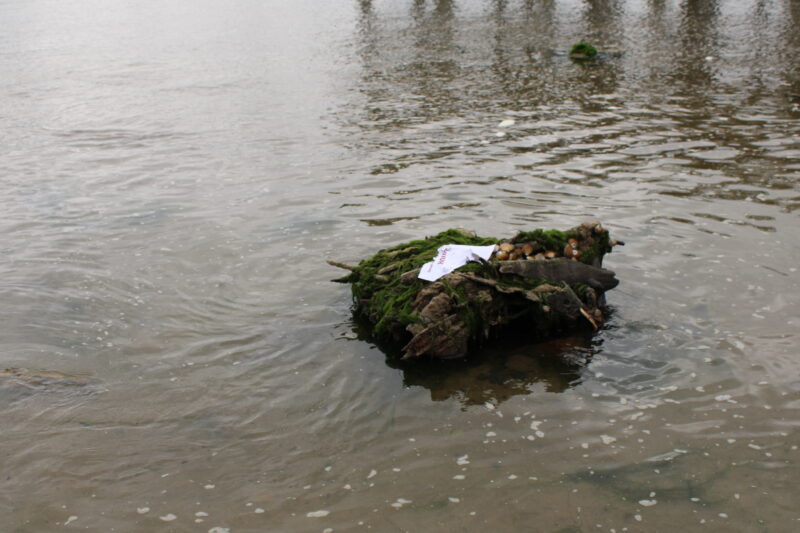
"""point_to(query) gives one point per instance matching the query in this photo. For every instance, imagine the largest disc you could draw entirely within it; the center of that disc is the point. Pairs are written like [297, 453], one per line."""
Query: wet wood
[562, 270]
[339, 264]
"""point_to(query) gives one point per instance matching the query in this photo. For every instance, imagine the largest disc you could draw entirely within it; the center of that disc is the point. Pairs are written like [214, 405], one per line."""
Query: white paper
[451, 256]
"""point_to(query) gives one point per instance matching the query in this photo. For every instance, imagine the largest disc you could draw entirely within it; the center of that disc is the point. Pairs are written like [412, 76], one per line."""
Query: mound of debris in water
[16, 383]
[582, 51]
[543, 283]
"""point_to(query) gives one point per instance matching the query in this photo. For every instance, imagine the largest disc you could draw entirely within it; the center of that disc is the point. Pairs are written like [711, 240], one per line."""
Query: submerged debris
[42, 379]
[543, 283]
[17, 383]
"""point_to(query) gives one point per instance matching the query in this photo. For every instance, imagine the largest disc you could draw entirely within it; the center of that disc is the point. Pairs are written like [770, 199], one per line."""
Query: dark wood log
[562, 270]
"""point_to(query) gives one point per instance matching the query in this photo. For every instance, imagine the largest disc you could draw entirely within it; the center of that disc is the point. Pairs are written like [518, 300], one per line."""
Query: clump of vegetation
[582, 50]
[542, 282]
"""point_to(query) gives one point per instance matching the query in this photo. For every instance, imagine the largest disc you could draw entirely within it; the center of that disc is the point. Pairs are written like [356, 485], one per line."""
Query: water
[174, 174]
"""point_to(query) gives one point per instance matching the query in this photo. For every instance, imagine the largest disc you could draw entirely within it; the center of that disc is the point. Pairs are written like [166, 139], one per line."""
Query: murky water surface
[173, 175]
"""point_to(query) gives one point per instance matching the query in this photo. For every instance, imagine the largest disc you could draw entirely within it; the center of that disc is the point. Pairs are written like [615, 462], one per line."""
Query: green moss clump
[386, 299]
[582, 50]
[552, 239]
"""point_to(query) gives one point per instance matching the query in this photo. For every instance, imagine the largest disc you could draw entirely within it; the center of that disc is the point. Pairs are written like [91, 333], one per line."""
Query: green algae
[386, 299]
[550, 239]
[582, 50]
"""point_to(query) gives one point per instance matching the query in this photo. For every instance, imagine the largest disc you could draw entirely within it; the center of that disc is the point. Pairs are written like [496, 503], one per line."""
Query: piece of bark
[389, 268]
[410, 276]
[565, 303]
[565, 270]
[339, 264]
[446, 339]
[526, 293]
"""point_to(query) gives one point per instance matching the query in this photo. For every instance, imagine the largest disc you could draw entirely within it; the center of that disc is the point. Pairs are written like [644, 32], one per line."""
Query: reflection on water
[505, 368]
[498, 374]
[174, 175]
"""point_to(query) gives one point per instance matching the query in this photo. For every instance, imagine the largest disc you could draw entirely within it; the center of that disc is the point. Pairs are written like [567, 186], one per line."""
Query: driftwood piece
[571, 272]
[410, 276]
[339, 264]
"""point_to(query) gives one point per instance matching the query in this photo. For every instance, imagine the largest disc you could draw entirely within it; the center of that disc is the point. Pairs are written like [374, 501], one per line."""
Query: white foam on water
[400, 502]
